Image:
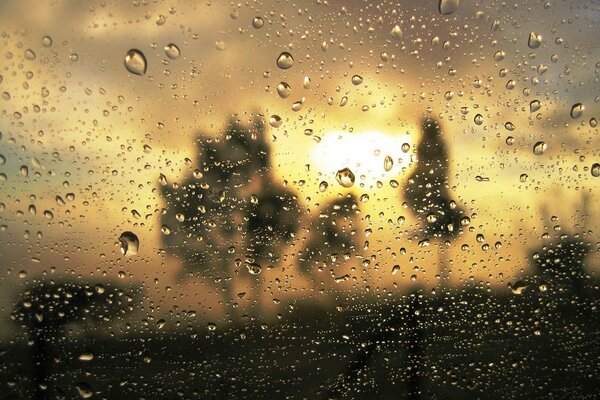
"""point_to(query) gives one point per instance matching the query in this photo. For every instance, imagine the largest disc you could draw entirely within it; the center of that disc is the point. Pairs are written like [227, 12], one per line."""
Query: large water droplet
[275, 121]
[596, 170]
[357, 80]
[534, 106]
[447, 7]
[345, 177]
[577, 110]
[534, 41]
[478, 119]
[285, 60]
[129, 243]
[539, 148]
[323, 186]
[258, 22]
[284, 90]
[135, 62]
[172, 51]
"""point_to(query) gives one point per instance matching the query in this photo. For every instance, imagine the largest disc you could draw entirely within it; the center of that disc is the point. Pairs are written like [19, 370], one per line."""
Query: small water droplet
[388, 163]
[84, 390]
[405, 147]
[285, 60]
[284, 90]
[135, 62]
[539, 148]
[510, 140]
[478, 119]
[253, 268]
[509, 126]
[86, 357]
[395, 269]
[447, 7]
[596, 170]
[29, 54]
[130, 243]
[396, 32]
[499, 55]
[258, 22]
[172, 51]
[577, 110]
[523, 178]
[345, 177]
[534, 41]
[323, 186]
[534, 106]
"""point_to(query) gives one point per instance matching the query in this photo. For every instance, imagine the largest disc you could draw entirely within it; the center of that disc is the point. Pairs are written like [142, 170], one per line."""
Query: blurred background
[319, 199]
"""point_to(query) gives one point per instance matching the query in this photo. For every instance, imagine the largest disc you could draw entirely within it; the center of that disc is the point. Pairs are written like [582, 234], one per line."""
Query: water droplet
[523, 178]
[534, 41]
[258, 22]
[593, 122]
[396, 32]
[534, 106]
[306, 82]
[285, 60]
[86, 357]
[165, 230]
[284, 90]
[129, 243]
[29, 55]
[172, 51]
[297, 105]
[308, 132]
[478, 119]
[84, 390]
[509, 126]
[357, 80]
[254, 199]
[447, 7]
[395, 269]
[135, 62]
[510, 140]
[596, 170]
[405, 147]
[275, 121]
[47, 41]
[577, 110]
[388, 163]
[499, 55]
[345, 177]
[323, 186]
[539, 148]
[253, 268]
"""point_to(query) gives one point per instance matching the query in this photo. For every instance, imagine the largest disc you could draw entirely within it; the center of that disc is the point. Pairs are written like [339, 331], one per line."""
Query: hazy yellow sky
[79, 121]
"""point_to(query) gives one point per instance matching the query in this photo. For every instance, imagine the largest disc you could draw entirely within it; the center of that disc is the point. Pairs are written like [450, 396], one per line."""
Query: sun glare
[370, 155]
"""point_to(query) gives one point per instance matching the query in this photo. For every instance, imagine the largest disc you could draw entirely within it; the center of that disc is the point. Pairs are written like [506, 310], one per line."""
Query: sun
[371, 155]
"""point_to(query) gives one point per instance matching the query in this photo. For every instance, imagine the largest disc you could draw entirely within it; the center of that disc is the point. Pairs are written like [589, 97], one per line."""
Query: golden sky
[82, 124]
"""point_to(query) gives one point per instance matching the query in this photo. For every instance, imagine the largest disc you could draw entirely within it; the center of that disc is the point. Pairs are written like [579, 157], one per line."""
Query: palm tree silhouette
[426, 189]
[333, 235]
[231, 211]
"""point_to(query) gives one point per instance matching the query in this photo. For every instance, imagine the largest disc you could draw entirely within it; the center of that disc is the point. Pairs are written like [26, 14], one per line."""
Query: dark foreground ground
[466, 344]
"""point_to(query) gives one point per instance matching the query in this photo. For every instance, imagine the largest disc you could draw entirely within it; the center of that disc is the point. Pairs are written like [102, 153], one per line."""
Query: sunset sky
[81, 123]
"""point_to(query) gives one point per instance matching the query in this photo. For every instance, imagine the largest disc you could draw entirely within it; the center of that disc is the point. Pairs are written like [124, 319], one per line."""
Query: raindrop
[596, 170]
[86, 357]
[285, 60]
[323, 186]
[534, 106]
[284, 90]
[509, 126]
[275, 121]
[539, 148]
[499, 55]
[478, 119]
[395, 269]
[388, 163]
[534, 41]
[29, 54]
[405, 147]
[258, 22]
[577, 110]
[357, 80]
[345, 177]
[135, 62]
[47, 41]
[396, 32]
[172, 51]
[447, 7]
[253, 268]
[129, 243]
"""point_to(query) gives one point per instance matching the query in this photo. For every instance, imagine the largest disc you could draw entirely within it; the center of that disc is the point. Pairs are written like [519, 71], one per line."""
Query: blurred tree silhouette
[333, 236]
[230, 211]
[46, 307]
[426, 190]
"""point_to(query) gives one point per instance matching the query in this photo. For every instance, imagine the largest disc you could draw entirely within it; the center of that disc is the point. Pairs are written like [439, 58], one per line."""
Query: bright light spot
[364, 153]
